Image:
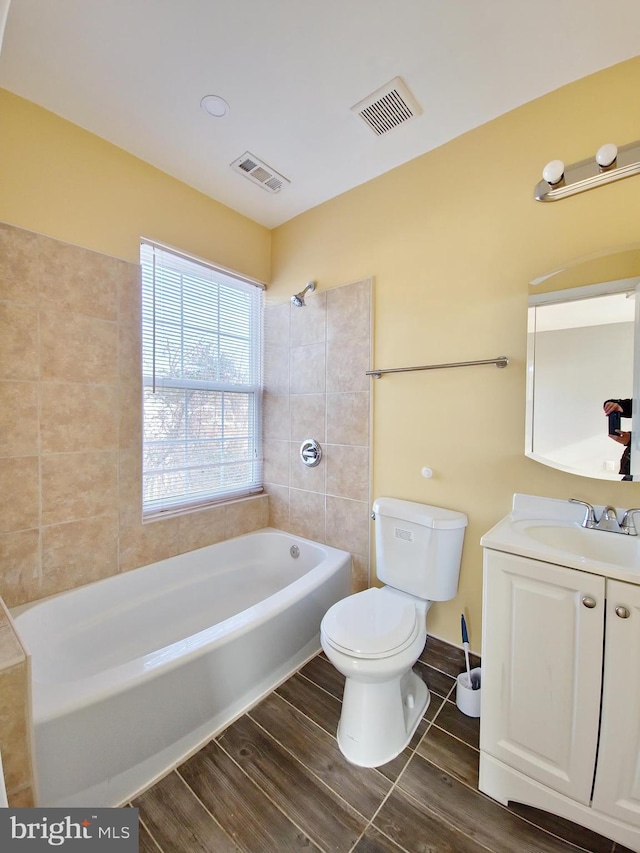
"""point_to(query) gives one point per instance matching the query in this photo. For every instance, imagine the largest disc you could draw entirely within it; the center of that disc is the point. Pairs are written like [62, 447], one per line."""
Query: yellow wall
[62, 181]
[452, 239]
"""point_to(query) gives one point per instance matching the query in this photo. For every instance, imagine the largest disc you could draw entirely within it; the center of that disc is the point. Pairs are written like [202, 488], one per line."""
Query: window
[202, 377]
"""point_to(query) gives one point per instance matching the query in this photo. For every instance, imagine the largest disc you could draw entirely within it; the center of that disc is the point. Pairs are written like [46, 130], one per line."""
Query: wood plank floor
[275, 782]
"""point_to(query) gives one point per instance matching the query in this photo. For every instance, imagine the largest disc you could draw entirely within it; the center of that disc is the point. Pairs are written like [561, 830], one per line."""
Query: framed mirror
[582, 351]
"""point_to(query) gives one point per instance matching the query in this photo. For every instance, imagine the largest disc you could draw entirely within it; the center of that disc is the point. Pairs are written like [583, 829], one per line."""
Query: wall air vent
[258, 172]
[388, 107]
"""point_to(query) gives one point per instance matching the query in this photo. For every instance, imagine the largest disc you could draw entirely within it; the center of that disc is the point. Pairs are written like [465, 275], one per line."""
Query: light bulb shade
[606, 155]
[553, 172]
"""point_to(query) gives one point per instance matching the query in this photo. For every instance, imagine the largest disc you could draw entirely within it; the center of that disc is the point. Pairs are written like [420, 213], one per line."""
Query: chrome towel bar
[500, 361]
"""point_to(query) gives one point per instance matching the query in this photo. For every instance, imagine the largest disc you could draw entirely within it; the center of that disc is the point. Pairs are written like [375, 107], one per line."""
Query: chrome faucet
[627, 524]
[608, 521]
[590, 515]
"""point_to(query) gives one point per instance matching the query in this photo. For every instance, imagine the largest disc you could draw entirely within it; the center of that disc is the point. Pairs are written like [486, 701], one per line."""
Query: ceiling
[134, 72]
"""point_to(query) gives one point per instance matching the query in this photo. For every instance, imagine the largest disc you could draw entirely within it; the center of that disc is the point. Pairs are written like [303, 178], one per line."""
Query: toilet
[375, 637]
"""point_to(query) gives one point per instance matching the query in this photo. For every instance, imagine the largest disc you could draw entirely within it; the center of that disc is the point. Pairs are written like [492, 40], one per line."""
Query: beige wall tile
[307, 514]
[18, 418]
[359, 573]
[276, 325]
[309, 324]
[78, 280]
[20, 562]
[347, 365]
[130, 410]
[246, 516]
[347, 471]
[78, 485]
[78, 552]
[19, 265]
[276, 370]
[199, 529]
[14, 742]
[307, 369]
[275, 417]
[19, 493]
[74, 348]
[308, 417]
[348, 419]
[129, 294]
[22, 799]
[130, 488]
[147, 543]
[78, 416]
[349, 312]
[348, 525]
[276, 461]
[11, 652]
[342, 314]
[130, 353]
[302, 477]
[18, 341]
[278, 506]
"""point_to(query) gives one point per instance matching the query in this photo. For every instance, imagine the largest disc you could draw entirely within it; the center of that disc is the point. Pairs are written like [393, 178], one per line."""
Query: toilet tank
[418, 547]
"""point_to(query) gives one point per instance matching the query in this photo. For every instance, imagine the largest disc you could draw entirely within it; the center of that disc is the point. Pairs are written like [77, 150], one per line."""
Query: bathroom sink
[586, 545]
[550, 530]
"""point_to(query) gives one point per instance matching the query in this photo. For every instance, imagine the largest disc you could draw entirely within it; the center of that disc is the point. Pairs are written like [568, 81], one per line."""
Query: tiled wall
[15, 717]
[316, 387]
[70, 449]
[71, 426]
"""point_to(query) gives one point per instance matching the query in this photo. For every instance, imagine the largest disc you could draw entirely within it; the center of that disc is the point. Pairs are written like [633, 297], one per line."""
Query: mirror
[582, 351]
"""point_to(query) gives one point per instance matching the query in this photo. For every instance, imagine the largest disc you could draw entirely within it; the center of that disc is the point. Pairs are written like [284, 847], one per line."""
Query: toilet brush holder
[468, 699]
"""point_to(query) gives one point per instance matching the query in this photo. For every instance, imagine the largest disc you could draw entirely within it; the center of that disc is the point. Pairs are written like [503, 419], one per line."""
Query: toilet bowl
[375, 637]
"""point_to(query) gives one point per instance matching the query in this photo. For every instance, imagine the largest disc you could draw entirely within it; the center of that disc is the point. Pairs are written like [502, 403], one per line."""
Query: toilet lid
[373, 623]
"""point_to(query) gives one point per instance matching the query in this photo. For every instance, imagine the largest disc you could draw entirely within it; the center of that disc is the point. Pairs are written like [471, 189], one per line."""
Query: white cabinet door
[542, 670]
[617, 788]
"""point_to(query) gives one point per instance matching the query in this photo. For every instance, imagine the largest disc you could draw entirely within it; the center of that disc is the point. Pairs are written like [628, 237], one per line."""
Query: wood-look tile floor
[275, 782]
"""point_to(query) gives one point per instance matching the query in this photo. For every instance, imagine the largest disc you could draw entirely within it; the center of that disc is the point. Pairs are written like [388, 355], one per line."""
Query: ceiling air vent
[259, 173]
[388, 107]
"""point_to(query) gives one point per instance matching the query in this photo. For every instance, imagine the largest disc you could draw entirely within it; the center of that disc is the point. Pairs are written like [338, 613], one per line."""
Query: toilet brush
[474, 681]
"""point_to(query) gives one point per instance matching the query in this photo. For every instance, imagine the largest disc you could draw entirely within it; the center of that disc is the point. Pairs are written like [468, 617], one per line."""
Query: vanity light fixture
[609, 164]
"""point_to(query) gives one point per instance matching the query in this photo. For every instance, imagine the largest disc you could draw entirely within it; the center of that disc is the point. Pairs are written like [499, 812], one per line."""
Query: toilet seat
[376, 623]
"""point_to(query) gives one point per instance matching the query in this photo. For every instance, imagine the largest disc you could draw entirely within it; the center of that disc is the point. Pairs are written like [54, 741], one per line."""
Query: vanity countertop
[551, 530]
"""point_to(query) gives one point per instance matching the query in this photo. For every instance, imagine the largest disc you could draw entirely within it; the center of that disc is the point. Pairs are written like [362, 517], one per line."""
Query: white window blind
[202, 377]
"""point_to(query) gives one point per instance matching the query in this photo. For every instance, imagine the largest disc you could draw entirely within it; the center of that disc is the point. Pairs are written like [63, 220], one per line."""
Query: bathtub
[133, 673]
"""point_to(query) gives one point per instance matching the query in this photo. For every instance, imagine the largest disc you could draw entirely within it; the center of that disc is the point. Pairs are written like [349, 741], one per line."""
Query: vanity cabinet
[560, 718]
[617, 782]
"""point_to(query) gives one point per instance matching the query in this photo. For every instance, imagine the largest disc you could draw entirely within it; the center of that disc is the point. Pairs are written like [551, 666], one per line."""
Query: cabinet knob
[589, 602]
[622, 612]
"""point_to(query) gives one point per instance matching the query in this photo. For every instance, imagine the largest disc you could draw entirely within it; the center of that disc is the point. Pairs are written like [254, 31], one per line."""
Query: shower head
[298, 298]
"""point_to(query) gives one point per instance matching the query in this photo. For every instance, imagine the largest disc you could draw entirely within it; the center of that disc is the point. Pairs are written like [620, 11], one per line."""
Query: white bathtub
[133, 673]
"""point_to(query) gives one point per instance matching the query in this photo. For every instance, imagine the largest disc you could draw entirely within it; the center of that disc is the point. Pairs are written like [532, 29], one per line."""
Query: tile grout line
[319, 686]
[297, 710]
[424, 805]
[149, 833]
[197, 798]
[313, 773]
[477, 790]
[269, 798]
[394, 784]
[479, 793]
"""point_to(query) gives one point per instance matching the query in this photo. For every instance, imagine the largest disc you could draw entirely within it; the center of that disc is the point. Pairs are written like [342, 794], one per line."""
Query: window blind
[202, 378]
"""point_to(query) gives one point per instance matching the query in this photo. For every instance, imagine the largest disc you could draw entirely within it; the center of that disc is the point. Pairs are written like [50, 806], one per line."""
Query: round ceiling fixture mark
[215, 106]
